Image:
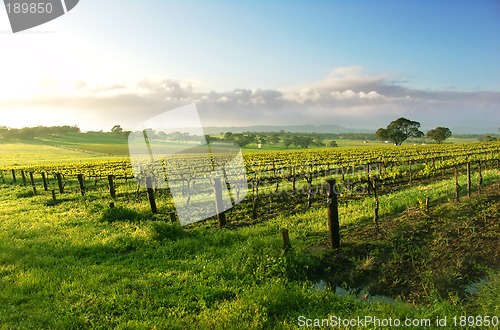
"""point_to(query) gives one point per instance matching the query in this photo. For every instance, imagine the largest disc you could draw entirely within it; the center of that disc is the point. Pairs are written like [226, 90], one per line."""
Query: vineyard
[276, 180]
[90, 244]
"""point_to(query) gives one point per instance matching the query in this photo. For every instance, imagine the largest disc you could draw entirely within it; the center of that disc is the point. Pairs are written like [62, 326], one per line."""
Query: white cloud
[347, 96]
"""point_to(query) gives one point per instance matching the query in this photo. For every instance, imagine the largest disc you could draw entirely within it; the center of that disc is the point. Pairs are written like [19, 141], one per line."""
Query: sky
[359, 64]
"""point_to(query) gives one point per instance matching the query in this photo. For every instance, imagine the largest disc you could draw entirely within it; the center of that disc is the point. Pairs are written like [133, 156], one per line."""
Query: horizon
[359, 64]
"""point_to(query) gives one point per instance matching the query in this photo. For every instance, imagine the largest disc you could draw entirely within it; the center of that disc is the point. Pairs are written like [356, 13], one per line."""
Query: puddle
[321, 285]
[474, 287]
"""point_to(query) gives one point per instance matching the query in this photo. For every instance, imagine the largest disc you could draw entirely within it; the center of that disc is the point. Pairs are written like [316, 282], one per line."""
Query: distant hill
[471, 130]
[334, 129]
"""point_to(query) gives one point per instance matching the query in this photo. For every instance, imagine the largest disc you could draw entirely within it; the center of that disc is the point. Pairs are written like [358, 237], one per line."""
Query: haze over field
[358, 64]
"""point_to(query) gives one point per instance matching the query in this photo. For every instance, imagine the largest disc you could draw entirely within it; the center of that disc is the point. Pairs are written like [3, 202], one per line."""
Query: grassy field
[87, 146]
[80, 265]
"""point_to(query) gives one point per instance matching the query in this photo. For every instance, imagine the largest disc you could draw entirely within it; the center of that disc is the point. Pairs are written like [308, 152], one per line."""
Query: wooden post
[112, 190]
[469, 186]
[54, 197]
[13, 175]
[219, 206]
[480, 182]
[375, 196]
[81, 183]
[255, 195]
[427, 204]
[44, 181]
[286, 239]
[173, 218]
[151, 195]
[275, 173]
[442, 164]
[333, 215]
[32, 180]
[457, 185]
[60, 183]
[409, 170]
[24, 177]
[309, 188]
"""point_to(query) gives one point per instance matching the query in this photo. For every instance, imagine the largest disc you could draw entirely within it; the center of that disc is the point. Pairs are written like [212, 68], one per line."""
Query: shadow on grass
[168, 231]
[25, 194]
[121, 214]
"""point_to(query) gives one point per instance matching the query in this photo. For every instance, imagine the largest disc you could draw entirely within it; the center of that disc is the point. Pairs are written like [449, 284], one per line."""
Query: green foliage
[32, 132]
[79, 264]
[438, 134]
[399, 130]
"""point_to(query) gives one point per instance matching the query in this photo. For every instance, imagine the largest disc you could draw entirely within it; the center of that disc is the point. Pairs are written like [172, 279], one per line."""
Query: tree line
[401, 129]
[26, 133]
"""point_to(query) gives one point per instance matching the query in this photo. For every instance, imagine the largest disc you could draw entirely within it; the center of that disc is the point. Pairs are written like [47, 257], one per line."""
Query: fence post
[286, 239]
[333, 215]
[309, 180]
[44, 181]
[111, 182]
[14, 176]
[151, 195]
[409, 170]
[375, 196]
[469, 186]
[81, 183]
[255, 195]
[219, 206]
[60, 183]
[54, 201]
[443, 169]
[24, 177]
[480, 182]
[32, 180]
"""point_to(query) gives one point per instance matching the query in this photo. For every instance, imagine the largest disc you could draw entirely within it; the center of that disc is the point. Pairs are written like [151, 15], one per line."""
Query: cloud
[346, 96]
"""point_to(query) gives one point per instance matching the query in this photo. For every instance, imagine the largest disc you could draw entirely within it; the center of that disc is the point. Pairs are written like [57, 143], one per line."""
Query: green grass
[79, 264]
[24, 154]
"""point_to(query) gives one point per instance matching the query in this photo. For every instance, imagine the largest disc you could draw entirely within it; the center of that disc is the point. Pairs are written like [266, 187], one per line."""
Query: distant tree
[487, 138]
[243, 140]
[399, 130]
[209, 138]
[117, 129]
[331, 144]
[438, 134]
[287, 141]
[228, 136]
[177, 136]
[274, 138]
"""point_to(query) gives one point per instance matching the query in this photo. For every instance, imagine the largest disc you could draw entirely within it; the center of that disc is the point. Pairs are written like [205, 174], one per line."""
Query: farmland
[77, 263]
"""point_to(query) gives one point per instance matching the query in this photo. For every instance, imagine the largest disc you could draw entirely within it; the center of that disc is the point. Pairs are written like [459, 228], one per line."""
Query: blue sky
[352, 63]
